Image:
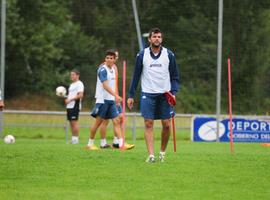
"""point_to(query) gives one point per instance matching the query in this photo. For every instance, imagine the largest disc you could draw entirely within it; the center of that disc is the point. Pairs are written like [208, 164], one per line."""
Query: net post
[230, 104]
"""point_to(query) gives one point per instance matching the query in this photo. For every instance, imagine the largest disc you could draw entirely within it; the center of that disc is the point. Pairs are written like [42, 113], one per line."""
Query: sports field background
[53, 126]
[40, 165]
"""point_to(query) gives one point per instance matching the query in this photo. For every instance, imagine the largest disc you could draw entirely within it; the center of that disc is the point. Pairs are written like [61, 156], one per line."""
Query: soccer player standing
[157, 68]
[104, 125]
[73, 104]
[106, 99]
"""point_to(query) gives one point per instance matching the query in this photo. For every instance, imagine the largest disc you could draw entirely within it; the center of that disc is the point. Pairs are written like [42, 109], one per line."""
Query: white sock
[152, 156]
[90, 142]
[162, 153]
[120, 140]
[115, 140]
[103, 142]
[75, 138]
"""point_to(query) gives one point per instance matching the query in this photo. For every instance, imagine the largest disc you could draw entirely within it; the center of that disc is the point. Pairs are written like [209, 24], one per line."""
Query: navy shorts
[72, 114]
[155, 106]
[106, 110]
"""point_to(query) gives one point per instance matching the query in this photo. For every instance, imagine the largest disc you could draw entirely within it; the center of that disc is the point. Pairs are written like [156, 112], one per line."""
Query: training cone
[266, 144]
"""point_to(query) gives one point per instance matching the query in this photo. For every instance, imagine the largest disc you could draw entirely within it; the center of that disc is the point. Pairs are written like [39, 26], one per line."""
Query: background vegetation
[45, 39]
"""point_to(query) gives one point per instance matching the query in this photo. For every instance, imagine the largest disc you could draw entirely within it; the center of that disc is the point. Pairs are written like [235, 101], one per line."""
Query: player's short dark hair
[153, 31]
[110, 52]
[76, 71]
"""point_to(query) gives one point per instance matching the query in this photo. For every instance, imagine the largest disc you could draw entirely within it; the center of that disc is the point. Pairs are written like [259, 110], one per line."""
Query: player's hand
[130, 103]
[67, 101]
[118, 99]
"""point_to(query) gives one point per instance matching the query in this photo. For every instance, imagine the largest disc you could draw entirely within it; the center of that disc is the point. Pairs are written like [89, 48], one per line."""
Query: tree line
[46, 39]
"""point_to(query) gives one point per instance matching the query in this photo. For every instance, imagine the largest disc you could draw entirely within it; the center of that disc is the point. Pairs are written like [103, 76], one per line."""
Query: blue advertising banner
[204, 130]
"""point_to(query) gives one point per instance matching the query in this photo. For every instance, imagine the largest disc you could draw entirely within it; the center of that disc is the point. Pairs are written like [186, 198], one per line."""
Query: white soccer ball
[9, 139]
[61, 91]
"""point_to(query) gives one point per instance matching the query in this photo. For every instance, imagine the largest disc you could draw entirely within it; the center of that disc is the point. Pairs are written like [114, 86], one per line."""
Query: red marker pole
[230, 104]
[124, 102]
[174, 135]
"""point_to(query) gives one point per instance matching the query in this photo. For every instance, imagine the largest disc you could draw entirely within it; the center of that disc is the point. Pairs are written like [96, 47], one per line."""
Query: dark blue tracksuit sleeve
[174, 74]
[136, 74]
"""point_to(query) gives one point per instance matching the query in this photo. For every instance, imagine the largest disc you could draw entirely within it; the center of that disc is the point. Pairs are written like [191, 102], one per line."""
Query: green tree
[43, 44]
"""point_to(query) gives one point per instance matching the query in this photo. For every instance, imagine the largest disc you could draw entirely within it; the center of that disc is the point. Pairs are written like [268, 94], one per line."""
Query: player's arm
[77, 97]
[102, 75]
[174, 74]
[135, 79]
[110, 90]
[136, 74]
[116, 80]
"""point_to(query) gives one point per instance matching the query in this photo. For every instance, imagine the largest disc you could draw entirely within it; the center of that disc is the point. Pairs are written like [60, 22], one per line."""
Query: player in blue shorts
[106, 98]
[103, 126]
[158, 71]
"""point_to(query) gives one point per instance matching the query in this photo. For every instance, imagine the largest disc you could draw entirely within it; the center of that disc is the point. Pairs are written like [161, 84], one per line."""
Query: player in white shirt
[156, 66]
[73, 104]
[106, 100]
[103, 126]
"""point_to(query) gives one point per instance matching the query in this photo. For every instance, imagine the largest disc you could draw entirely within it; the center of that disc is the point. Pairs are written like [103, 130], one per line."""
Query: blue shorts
[106, 110]
[155, 106]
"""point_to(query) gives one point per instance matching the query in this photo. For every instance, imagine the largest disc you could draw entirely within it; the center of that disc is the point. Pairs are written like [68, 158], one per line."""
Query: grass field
[50, 169]
[52, 126]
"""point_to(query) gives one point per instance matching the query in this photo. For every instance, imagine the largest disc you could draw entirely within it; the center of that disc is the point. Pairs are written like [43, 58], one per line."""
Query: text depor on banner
[244, 130]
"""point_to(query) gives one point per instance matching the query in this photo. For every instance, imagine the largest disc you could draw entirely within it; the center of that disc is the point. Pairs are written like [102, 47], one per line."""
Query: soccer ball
[61, 91]
[9, 139]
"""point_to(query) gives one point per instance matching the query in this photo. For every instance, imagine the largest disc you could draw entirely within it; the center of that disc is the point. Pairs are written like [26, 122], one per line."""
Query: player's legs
[74, 127]
[165, 134]
[72, 117]
[118, 131]
[94, 127]
[165, 111]
[103, 128]
[93, 130]
[98, 112]
[120, 116]
[149, 136]
[117, 127]
[113, 113]
[148, 110]
[115, 138]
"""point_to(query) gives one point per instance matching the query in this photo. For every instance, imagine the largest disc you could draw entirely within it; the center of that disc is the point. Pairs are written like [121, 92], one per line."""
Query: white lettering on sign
[249, 126]
[244, 136]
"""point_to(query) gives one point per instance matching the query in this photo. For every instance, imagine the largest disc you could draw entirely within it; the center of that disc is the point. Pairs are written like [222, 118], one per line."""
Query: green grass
[50, 169]
[53, 126]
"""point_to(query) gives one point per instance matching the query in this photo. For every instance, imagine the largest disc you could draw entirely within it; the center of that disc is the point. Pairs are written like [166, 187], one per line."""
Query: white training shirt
[73, 90]
[155, 74]
[105, 74]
